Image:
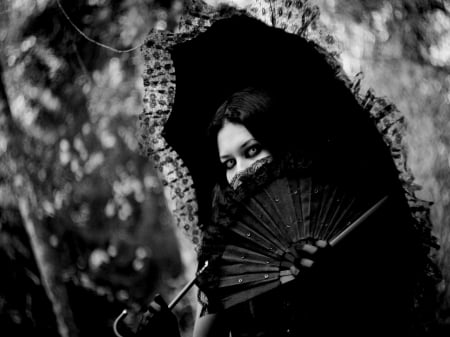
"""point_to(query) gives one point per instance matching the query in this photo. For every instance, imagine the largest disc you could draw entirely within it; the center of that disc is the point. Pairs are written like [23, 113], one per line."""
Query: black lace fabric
[249, 172]
[224, 205]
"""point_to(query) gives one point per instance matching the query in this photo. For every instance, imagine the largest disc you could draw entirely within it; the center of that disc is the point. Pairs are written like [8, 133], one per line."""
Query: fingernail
[154, 307]
[306, 262]
[294, 270]
[309, 248]
[321, 243]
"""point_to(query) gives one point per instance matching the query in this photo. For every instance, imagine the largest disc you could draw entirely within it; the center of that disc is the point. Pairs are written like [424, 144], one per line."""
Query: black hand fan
[261, 225]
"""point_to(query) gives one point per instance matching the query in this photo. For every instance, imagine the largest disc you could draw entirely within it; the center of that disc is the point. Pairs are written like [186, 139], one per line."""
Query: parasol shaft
[171, 305]
[186, 288]
[355, 224]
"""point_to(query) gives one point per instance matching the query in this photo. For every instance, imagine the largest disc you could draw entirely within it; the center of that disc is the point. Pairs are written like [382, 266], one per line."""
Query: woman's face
[238, 149]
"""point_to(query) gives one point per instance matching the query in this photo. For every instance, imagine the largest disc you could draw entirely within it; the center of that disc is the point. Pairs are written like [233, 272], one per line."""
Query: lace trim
[250, 171]
[262, 172]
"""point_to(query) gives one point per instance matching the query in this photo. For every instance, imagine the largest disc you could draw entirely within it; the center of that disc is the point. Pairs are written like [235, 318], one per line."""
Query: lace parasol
[298, 17]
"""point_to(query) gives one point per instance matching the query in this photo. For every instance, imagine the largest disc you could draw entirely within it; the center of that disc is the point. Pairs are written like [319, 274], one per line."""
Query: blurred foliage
[100, 206]
[412, 22]
[402, 47]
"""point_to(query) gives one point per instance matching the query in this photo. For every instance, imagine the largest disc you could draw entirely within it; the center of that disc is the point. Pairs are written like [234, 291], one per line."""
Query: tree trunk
[46, 257]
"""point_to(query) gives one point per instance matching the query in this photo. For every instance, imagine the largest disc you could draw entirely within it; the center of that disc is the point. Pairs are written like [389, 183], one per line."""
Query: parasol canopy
[189, 73]
[239, 51]
[214, 52]
[233, 54]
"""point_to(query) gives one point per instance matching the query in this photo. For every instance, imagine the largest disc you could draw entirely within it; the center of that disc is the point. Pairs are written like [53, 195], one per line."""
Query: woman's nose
[242, 164]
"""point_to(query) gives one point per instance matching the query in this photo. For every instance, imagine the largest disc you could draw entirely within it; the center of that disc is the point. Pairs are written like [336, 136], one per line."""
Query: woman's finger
[294, 270]
[308, 248]
[306, 263]
[321, 243]
[154, 307]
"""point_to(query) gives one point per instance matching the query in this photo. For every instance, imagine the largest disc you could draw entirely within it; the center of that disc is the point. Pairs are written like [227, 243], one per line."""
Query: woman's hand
[311, 253]
[158, 321]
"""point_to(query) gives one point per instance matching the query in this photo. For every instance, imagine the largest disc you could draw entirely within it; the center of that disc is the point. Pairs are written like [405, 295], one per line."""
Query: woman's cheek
[261, 155]
[230, 175]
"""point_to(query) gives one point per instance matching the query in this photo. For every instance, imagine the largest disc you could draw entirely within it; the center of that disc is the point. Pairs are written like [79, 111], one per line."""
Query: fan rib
[247, 269]
[234, 254]
[328, 197]
[283, 202]
[249, 279]
[253, 238]
[259, 212]
[294, 191]
[305, 194]
[342, 216]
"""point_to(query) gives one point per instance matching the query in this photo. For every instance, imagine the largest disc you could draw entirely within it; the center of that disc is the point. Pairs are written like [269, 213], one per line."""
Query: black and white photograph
[225, 168]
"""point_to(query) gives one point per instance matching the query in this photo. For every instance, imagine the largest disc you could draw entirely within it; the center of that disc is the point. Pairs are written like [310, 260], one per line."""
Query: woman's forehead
[231, 137]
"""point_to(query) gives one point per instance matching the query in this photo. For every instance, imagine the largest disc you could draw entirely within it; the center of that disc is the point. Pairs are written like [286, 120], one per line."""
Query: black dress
[363, 289]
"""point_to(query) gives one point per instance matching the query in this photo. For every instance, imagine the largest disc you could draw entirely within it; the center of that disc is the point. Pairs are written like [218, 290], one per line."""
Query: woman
[364, 287]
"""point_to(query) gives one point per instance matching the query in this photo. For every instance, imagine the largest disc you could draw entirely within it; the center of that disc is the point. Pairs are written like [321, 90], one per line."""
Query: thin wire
[92, 40]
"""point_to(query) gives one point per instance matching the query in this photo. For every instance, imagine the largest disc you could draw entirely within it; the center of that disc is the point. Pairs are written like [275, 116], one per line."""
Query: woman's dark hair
[247, 107]
[264, 113]
[250, 107]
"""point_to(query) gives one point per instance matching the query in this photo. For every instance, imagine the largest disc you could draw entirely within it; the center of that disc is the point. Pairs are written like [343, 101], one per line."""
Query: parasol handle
[355, 224]
[186, 288]
[172, 304]
[116, 322]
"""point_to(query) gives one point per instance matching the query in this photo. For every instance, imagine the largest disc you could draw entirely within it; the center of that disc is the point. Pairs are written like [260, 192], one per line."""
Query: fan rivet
[276, 199]
[267, 262]
[243, 257]
[240, 280]
[266, 275]
[248, 234]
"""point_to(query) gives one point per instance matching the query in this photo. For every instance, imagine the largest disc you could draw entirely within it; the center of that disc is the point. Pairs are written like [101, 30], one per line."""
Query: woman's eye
[229, 164]
[253, 151]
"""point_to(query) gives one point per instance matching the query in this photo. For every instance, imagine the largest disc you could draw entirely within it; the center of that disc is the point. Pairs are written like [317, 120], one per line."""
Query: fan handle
[355, 224]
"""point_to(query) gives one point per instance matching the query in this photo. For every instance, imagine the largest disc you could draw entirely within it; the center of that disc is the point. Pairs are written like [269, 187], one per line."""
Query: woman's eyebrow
[245, 144]
[225, 156]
